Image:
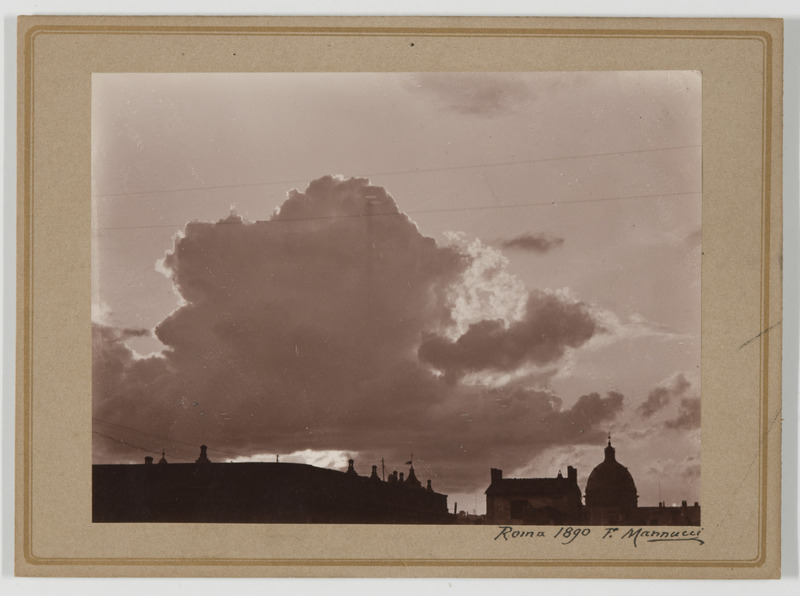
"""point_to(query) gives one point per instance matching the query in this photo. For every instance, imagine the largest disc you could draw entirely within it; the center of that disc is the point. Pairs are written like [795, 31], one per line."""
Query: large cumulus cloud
[327, 327]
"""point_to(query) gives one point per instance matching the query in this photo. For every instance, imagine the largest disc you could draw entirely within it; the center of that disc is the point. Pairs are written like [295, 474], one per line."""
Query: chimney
[203, 459]
[374, 475]
[430, 488]
[350, 469]
[403, 474]
[148, 460]
[572, 474]
[683, 504]
[497, 475]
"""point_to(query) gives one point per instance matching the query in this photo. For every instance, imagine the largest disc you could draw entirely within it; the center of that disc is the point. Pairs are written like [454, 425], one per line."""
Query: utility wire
[422, 211]
[160, 437]
[126, 444]
[401, 172]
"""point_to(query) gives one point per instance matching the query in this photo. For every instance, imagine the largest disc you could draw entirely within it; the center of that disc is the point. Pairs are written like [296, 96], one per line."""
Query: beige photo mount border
[741, 306]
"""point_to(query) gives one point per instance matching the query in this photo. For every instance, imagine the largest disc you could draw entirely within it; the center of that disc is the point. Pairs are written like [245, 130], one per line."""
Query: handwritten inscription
[509, 533]
[568, 534]
[662, 535]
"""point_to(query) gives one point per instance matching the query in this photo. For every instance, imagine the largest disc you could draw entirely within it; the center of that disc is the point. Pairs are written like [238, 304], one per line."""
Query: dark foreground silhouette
[259, 493]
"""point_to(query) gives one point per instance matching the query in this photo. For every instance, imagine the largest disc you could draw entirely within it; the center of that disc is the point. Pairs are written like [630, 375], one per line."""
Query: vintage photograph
[400, 298]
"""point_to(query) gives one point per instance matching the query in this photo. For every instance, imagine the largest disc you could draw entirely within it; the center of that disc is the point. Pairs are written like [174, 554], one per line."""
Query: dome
[610, 484]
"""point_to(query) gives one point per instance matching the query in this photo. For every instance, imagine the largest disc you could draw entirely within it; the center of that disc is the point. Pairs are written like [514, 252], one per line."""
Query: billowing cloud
[663, 395]
[472, 430]
[322, 330]
[539, 243]
[516, 407]
[549, 326]
[486, 289]
[672, 405]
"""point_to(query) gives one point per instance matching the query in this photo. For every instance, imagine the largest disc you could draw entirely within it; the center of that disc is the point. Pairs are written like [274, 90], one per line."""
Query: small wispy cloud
[539, 243]
[688, 415]
[661, 396]
[486, 95]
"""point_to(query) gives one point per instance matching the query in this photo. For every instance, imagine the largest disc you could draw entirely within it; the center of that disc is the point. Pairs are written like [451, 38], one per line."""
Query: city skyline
[484, 269]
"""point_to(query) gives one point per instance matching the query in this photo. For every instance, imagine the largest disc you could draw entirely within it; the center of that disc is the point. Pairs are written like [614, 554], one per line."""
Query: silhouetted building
[463, 518]
[685, 515]
[534, 500]
[611, 499]
[412, 478]
[258, 493]
[610, 491]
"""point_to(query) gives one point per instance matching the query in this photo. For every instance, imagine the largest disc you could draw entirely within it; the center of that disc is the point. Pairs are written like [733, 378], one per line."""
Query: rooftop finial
[609, 450]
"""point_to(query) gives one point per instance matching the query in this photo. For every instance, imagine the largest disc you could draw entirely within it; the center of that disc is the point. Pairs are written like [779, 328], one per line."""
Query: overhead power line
[426, 211]
[399, 172]
[168, 440]
[127, 444]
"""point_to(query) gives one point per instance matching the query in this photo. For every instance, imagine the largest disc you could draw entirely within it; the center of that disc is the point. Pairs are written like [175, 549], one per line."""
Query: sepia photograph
[422, 297]
[431, 298]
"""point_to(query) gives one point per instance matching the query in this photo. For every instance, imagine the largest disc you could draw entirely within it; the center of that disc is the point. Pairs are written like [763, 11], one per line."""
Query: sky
[482, 269]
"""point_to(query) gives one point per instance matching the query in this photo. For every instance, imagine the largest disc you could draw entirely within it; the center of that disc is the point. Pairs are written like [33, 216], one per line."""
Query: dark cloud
[551, 325]
[539, 243]
[303, 332]
[472, 430]
[688, 415]
[663, 395]
[516, 408]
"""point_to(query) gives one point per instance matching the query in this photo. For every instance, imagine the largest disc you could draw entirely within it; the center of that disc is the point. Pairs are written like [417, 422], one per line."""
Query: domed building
[611, 499]
[610, 491]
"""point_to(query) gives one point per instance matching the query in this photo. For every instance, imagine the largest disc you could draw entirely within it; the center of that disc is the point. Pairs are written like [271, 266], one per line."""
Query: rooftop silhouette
[271, 492]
